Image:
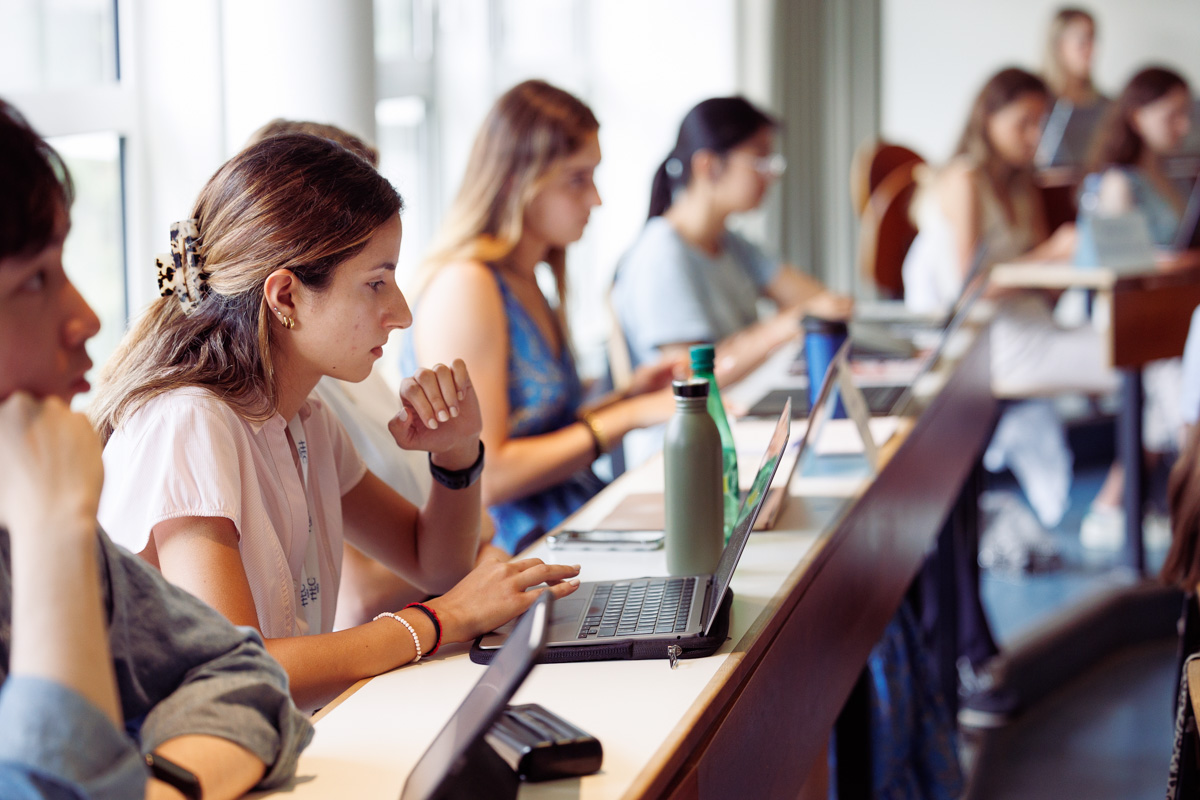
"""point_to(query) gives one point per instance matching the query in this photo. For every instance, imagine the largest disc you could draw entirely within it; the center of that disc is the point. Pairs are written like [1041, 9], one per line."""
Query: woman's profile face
[340, 331]
[747, 172]
[1164, 123]
[1015, 129]
[1075, 47]
[44, 324]
[560, 210]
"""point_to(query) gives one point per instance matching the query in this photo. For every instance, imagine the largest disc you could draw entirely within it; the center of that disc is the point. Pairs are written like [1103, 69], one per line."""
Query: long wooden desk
[1149, 311]
[811, 598]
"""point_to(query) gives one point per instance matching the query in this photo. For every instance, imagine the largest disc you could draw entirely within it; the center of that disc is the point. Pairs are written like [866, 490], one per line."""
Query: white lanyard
[309, 587]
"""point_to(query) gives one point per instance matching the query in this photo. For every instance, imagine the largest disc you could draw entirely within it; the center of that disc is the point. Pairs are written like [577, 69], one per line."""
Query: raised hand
[439, 413]
[495, 592]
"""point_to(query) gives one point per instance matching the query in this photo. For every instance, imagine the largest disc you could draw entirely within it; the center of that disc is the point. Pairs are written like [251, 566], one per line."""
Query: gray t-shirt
[667, 292]
[181, 669]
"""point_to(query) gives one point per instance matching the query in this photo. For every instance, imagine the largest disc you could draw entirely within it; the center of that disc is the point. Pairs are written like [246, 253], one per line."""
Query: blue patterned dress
[544, 395]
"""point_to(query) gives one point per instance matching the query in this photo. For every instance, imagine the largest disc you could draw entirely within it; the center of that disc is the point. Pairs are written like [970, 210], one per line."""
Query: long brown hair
[529, 129]
[1118, 143]
[1003, 88]
[1056, 76]
[1182, 565]
[293, 201]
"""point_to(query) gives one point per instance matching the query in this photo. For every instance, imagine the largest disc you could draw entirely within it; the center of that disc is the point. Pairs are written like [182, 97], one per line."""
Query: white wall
[938, 53]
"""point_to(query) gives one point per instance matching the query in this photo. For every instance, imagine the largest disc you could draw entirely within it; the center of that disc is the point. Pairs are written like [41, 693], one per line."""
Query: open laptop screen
[473, 718]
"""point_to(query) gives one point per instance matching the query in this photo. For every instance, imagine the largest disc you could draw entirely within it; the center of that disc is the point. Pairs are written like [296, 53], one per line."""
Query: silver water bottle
[695, 503]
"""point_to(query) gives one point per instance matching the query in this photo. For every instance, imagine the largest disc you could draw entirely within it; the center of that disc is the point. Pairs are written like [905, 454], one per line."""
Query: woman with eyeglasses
[687, 278]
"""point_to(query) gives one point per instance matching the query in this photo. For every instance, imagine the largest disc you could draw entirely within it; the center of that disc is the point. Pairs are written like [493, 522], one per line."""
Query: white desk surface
[367, 743]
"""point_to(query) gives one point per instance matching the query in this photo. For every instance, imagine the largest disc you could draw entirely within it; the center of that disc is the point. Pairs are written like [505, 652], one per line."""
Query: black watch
[457, 478]
[167, 771]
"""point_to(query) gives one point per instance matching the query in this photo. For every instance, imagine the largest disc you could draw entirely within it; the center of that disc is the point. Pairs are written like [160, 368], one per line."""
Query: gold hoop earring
[285, 320]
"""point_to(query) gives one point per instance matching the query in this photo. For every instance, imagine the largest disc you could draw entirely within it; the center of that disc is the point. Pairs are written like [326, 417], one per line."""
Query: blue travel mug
[822, 339]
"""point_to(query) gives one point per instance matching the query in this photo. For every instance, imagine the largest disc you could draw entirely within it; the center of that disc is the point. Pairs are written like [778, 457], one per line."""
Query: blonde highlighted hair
[294, 201]
[1053, 71]
[527, 132]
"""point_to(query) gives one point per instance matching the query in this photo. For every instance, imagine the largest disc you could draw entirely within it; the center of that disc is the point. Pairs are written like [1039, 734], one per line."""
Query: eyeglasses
[772, 166]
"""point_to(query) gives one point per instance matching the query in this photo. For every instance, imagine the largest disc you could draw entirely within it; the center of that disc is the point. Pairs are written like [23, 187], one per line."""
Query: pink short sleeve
[350, 466]
[183, 454]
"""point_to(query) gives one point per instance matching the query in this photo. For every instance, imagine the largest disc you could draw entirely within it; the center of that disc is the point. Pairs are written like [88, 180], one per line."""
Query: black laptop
[1188, 235]
[459, 763]
[643, 617]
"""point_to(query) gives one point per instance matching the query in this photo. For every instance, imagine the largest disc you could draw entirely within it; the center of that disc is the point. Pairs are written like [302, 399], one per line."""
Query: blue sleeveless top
[544, 395]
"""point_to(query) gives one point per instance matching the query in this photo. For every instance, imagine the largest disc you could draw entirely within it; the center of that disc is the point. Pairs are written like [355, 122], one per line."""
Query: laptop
[459, 762]
[1188, 236]
[1068, 133]
[885, 399]
[654, 617]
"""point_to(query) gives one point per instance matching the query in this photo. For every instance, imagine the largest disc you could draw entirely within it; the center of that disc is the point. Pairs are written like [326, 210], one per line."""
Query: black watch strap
[167, 771]
[457, 478]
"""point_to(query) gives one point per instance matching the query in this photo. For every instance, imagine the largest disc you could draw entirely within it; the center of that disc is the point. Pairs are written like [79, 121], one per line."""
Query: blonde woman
[226, 473]
[527, 194]
[1070, 44]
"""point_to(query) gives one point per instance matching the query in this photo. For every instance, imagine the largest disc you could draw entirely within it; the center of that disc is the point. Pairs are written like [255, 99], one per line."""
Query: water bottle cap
[812, 324]
[692, 387]
[703, 356]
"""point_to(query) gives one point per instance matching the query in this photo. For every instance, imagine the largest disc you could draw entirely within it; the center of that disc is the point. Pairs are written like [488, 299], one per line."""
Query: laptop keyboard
[654, 605]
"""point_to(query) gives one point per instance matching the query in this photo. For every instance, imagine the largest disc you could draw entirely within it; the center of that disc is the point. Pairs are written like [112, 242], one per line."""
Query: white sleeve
[178, 456]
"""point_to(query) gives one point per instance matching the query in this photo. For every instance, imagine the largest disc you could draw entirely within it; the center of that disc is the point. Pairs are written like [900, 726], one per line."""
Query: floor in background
[1108, 733]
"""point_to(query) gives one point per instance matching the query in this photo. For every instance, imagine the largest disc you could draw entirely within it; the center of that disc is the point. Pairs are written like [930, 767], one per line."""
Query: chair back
[887, 231]
[872, 163]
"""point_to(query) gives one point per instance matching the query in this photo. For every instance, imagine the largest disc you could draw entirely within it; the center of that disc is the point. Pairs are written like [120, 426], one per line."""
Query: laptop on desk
[641, 618]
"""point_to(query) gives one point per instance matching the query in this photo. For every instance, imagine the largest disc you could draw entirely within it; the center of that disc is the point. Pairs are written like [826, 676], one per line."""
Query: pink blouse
[188, 454]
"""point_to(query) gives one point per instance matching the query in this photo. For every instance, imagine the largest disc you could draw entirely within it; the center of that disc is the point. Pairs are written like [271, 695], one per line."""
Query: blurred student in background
[527, 193]
[983, 208]
[1070, 45]
[688, 278]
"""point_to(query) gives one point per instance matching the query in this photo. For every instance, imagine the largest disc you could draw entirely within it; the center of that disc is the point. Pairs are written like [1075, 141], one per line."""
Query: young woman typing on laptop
[227, 475]
[527, 193]
[100, 658]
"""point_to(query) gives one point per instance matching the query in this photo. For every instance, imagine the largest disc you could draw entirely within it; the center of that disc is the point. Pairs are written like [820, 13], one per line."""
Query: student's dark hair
[718, 124]
[354, 144]
[1182, 564]
[1117, 143]
[35, 186]
[293, 201]
[1005, 87]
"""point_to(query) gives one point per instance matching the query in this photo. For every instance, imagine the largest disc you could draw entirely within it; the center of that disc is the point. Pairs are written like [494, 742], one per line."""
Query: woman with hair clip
[1148, 122]
[527, 194]
[688, 279]
[113, 683]
[368, 587]
[227, 474]
[1067, 66]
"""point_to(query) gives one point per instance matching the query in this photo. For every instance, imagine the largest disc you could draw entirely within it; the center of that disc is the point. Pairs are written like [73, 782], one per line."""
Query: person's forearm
[448, 535]
[225, 770]
[321, 667]
[742, 352]
[59, 630]
[521, 466]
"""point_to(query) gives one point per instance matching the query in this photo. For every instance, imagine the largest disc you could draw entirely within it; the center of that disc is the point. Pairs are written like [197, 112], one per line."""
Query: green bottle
[702, 367]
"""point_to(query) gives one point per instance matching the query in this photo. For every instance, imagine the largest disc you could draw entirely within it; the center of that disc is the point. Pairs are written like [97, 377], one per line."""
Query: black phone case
[540, 745]
[695, 647]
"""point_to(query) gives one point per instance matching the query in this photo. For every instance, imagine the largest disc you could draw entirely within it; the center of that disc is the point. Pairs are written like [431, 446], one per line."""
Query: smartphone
[605, 540]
